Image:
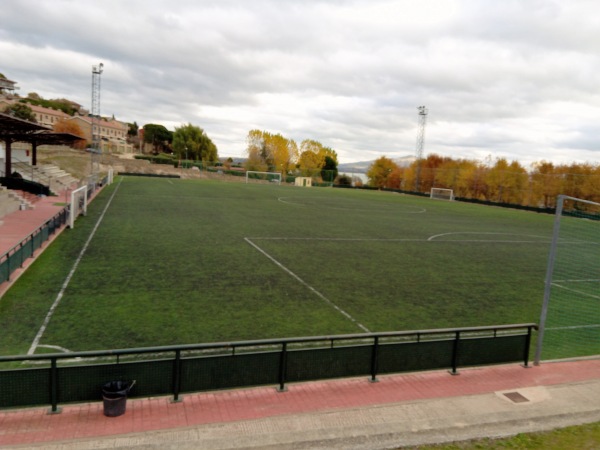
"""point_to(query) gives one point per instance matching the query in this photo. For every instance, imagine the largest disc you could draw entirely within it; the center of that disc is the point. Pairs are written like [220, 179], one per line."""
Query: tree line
[268, 152]
[499, 181]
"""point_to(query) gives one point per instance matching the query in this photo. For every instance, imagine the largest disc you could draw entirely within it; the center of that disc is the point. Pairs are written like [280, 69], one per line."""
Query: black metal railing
[16, 256]
[66, 377]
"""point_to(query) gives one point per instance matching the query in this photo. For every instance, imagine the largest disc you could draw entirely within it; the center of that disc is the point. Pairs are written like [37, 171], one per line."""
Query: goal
[442, 194]
[78, 205]
[274, 177]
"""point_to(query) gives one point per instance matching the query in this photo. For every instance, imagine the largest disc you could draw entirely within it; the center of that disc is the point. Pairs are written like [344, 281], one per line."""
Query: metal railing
[14, 258]
[172, 370]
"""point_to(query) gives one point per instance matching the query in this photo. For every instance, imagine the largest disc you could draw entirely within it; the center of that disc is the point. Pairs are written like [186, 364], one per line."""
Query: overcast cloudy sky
[500, 78]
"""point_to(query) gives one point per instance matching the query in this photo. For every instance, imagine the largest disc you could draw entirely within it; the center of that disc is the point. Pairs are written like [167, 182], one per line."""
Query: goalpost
[274, 177]
[442, 194]
[79, 198]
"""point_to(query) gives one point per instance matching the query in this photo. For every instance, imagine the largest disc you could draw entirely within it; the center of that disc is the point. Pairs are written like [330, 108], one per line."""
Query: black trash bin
[114, 396]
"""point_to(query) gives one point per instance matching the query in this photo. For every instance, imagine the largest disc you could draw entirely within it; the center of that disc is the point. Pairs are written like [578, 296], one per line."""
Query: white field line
[42, 329]
[312, 289]
[430, 239]
[334, 239]
[56, 347]
[436, 236]
[589, 280]
[283, 200]
[574, 327]
[576, 291]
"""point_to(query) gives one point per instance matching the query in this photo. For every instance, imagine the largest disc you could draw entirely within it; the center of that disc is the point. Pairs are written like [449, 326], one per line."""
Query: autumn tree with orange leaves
[499, 181]
[68, 126]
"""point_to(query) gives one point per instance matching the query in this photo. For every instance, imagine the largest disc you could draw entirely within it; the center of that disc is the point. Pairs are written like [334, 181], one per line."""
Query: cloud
[510, 79]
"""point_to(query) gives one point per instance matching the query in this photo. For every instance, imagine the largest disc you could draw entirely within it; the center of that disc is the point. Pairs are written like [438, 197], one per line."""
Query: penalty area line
[40, 333]
[312, 289]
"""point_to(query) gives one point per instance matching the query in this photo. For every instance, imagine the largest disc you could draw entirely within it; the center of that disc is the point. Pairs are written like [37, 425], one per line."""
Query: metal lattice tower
[96, 72]
[420, 143]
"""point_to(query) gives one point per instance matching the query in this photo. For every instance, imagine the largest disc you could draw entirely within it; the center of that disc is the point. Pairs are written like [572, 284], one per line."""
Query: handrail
[262, 342]
[183, 371]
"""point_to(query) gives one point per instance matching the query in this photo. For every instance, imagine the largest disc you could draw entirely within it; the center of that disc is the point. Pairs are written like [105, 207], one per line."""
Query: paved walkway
[407, 409]
[19, 225]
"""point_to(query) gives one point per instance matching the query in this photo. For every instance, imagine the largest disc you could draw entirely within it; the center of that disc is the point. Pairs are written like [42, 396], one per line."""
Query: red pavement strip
[34, 425]
[17, 226]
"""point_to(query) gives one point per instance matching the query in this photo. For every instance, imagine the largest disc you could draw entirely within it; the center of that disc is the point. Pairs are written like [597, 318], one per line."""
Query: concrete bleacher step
[8, 203]
[47, 174]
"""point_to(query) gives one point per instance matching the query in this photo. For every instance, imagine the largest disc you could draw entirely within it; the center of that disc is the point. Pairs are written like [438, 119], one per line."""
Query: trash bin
[114, 396]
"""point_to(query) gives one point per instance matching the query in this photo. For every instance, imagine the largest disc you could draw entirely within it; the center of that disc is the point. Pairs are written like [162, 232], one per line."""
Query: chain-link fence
[570, 319]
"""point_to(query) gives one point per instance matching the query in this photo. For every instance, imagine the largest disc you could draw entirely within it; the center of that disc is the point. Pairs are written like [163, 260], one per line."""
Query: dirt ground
[79, 163]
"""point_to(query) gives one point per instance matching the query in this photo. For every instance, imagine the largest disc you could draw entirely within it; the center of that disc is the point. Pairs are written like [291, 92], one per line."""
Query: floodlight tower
[96, 141]
[96, 73]
[420, 143]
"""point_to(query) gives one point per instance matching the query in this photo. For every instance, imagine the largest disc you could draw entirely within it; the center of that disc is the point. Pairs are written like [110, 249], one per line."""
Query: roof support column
[7, 161]
[34, 153]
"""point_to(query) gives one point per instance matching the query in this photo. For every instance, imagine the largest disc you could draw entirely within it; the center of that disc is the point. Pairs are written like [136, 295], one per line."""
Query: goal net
[273, 177]
[78, 206]
[442, 194]
[570, 318]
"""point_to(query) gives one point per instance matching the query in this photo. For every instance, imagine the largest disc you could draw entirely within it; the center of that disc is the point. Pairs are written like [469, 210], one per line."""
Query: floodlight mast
[96, 73]
[420, 143]
[96, 146]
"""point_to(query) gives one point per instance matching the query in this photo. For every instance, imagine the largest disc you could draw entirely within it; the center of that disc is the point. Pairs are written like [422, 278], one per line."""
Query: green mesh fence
[4, 270]
[14, 259]
[324, 363]
[221, 372]
[570, 321]
[24, 387]
[79, 377]
[413, 356]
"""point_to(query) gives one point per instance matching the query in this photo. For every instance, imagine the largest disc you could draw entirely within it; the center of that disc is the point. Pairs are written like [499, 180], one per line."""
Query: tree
[255, 152]
[158, 136]
[344, 180]
[329, 171]
[61, 104]
[315, 158]
[68, 126]
[309, 162]
[380, 171]
[132, 129]
[20, 111]
[396, 178]
[191, 142]
[270, 152]
[545, 184]
[506, 182]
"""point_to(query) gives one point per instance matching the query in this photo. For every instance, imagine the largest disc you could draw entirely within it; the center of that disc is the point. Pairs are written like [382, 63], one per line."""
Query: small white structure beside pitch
[303, 181]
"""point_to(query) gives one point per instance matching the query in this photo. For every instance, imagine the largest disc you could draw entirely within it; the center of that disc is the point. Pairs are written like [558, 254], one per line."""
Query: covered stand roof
[19, 130]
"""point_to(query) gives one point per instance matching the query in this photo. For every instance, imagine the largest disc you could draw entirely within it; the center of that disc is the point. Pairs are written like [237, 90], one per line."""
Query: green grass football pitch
[175, 261]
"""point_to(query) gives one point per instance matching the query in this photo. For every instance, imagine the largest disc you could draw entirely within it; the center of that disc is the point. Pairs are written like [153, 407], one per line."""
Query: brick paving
[17, 226]
[35, 425]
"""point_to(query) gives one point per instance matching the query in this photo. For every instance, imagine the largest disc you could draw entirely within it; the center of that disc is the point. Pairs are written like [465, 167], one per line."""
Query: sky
[500, 79]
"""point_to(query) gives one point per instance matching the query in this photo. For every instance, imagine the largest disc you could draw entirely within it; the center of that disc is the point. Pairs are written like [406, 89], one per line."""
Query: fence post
[374, 360]
[53, 387]
[177, 376]
[282, 368]
[526, 349]
[455, 353]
